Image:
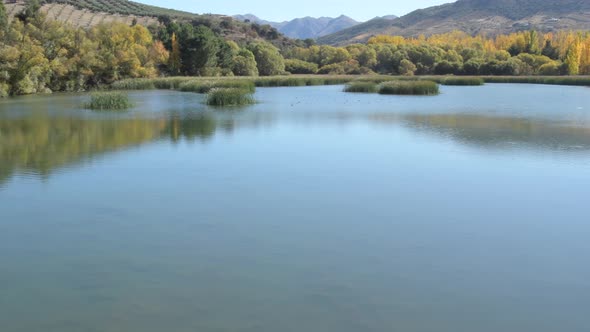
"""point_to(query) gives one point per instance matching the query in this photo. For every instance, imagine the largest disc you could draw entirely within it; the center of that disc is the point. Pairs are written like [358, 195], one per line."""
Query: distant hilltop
[308, 27]
[487, 17]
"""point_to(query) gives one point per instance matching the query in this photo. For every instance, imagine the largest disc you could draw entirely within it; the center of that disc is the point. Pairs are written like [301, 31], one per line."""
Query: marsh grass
[204, 86]
[462, 81]
[229, 97]
[417, 88]
[552, 80]
[102, 101]
[361, 87]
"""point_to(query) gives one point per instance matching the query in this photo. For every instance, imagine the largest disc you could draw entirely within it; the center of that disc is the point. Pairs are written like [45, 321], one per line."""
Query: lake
[313, 210]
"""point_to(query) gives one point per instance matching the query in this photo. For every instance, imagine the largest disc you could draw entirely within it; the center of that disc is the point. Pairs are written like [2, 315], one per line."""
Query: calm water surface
[313, 210]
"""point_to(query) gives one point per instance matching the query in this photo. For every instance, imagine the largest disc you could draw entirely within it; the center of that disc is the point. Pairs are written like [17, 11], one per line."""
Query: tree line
[39, 55]
[457, 53]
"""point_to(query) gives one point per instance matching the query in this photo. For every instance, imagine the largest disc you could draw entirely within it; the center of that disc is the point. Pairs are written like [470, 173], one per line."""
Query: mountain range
[306, 27]
[488, 17]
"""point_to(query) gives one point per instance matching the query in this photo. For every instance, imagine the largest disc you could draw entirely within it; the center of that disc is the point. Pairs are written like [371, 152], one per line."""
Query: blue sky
[287, 10]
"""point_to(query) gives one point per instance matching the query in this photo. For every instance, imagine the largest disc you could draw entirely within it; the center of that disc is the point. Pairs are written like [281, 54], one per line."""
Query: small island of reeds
[361, 87]
[104, 101]
[416, 88]
[229, 97]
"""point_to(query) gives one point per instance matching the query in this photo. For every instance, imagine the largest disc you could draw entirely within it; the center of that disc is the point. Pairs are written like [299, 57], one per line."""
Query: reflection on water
[39, 144]
[497, 132]
[38, 138]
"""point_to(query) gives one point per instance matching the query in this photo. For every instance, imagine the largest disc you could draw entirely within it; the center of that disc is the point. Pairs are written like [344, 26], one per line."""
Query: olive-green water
[313, 211]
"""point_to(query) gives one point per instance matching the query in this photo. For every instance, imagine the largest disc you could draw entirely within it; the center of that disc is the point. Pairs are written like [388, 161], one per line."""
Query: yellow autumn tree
[174, 60]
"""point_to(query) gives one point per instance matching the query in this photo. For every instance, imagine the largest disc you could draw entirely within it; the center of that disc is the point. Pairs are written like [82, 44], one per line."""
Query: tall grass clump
[204, 86]
[362, 87]
[242, 84]
[418, 88]
[279, 81]
[462, 81]
[314, 81]
[229, 97]
[170, 83]
[552, 80]
[101, 101]
[134, 84]
[337, 80]
[196, 86]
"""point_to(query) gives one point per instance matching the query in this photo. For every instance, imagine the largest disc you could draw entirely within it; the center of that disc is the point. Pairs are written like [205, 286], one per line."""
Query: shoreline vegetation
[203, 84]
[383, 84]
[363, 83]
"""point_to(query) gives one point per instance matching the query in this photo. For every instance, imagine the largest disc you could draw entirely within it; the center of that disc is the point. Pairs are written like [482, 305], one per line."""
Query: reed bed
[416, 88]
[229, 97]
[204, 86]
[552, 80]
[102, 101]
[462, 81]
[361, 87]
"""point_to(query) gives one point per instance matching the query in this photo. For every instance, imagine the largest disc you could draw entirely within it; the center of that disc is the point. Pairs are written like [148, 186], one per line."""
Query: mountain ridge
[474, 17]
[304, 27]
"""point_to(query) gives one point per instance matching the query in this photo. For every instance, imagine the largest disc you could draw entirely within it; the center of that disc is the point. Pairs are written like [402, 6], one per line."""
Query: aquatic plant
[421, 88]
[229, 97]
[552, 80]
[462, 81]
[134, 84]
[362, 87]
[101, 101]
[204, 86]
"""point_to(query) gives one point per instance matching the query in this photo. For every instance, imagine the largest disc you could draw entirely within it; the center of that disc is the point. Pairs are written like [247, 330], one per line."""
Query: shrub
[421, 88]
[295, 66]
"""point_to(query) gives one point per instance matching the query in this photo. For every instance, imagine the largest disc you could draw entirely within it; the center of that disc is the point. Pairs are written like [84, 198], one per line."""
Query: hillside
[475, 17]
[306, 27]
[80, 17]
[88, 13]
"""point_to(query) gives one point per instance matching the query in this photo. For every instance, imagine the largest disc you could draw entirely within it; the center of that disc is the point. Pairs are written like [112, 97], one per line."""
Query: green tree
[532, 40]
[268, 59]
[3, 17]
[572, 59]
[367, 57]
[407, 67]
[550, 51]
[31, 10]
[174, 64]
[295, 66]
[245, 64]
[199, 52]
